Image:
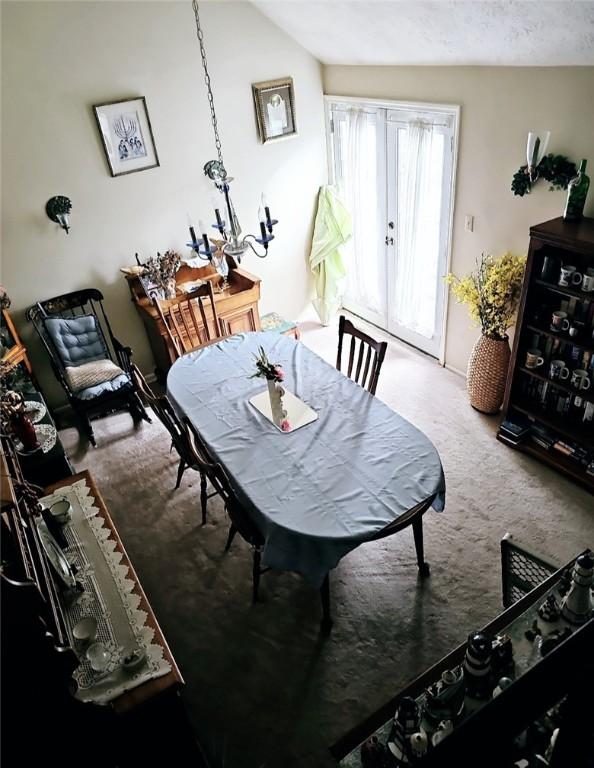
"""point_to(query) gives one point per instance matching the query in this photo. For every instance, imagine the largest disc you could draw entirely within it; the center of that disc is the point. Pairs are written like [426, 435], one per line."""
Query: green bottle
[577, 191]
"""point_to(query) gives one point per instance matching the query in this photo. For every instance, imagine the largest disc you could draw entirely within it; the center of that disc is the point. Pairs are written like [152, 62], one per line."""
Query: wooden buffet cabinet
[237, 307]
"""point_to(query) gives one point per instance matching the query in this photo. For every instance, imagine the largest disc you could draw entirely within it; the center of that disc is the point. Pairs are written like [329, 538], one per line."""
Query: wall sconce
[536, 149]
[58, 209]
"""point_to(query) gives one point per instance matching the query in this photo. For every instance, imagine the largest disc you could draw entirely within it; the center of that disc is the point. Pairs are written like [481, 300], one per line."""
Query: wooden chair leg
[85, 423]
[230, 537]
[256, 572]
[326, 624]
[418, 534]
[180, 471]
[203, 496]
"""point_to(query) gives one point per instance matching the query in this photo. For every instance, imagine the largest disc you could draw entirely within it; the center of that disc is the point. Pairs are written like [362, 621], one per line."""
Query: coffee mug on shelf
[574, 330]
[580, 380]
[559, 321]
[569, 276]
[534, 358]
[559, 370]
[588, 280]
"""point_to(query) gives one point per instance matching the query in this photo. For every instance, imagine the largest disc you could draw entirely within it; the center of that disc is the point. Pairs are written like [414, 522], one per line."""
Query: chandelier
[229, 228]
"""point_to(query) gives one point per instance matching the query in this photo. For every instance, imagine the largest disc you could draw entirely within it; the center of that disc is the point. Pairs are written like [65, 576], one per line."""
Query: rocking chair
[92, 366]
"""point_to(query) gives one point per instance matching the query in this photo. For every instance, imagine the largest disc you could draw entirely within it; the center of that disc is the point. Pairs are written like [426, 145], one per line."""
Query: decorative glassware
[577, 191]
[536, 149]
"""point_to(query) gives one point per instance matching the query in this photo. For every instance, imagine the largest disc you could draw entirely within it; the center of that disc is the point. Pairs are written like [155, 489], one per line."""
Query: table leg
[418, 534]
[326, 624]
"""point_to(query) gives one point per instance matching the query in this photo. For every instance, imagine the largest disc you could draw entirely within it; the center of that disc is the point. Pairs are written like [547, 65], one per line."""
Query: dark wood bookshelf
[565, 243]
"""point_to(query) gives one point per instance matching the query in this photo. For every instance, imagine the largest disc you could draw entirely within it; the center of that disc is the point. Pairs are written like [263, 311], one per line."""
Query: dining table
[316, 493]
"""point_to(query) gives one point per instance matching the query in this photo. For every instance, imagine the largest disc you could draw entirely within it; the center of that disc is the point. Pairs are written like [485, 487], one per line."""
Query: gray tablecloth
[318, 492]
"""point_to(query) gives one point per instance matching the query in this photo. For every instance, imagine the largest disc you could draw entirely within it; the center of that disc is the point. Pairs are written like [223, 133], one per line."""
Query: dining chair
[240, 521]
[191, 321]
[367, 378]
[166, 414]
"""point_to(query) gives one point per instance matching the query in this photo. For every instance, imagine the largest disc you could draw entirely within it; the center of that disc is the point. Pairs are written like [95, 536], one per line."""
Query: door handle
[389, 240]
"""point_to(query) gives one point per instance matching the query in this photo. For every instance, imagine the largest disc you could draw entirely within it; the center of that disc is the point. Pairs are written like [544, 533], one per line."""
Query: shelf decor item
[127, 136]
[577, 604]
[557, 169]
[577, 191]
[12, 410]
[160, 271]
[492, 293]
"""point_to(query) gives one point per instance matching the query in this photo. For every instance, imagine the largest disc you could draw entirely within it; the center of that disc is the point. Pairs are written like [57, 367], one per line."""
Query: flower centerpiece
[161, 270]
[274, 375]
[492, 294]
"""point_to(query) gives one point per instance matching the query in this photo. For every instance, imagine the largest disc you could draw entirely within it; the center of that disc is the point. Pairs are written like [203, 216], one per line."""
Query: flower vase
[487, 373]
[276, 392]
[170, 288]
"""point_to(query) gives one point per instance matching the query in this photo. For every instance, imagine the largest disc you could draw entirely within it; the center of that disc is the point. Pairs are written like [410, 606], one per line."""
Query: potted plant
[274, 375]
[492, 294]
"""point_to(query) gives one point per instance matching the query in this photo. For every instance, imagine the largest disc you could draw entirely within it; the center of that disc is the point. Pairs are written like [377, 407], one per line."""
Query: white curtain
[420, 177]
[357, 135]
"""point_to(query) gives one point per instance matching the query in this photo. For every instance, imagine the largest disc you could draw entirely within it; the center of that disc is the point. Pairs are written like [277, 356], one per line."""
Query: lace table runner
[109, 598]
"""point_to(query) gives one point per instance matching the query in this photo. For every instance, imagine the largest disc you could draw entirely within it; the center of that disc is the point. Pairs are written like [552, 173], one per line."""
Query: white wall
[60, 58]
[499, 106]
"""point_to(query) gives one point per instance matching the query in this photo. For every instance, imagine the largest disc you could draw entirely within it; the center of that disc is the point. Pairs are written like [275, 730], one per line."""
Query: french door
[393, 166]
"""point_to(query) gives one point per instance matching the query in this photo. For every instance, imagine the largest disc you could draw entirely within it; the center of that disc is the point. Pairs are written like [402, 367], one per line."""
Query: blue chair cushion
[90, 393]
[77, 340]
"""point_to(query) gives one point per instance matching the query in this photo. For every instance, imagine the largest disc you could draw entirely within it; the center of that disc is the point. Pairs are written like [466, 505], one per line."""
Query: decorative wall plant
[556, 169]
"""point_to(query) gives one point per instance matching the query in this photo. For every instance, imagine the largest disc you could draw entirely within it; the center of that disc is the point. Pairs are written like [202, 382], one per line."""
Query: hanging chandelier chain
[213, 115]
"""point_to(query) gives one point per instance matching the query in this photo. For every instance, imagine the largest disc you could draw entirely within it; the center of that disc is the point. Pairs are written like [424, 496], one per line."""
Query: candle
[204, 236]
[266, 209]
[219, 220]
[191, 226]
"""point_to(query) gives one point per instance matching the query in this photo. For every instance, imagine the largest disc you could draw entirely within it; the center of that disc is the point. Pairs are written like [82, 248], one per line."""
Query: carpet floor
[263, 687]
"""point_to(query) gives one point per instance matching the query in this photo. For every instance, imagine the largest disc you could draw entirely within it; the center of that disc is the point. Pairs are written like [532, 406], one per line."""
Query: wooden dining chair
[166, 414]
[187, 321]
[368, 375]
[240, 521]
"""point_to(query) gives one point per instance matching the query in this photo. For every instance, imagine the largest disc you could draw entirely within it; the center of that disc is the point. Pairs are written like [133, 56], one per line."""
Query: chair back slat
[370, 350]
[220, 481]
[186, 321]
[166, 414]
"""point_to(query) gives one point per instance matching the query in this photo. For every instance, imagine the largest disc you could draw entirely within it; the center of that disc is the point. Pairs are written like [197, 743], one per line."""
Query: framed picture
[127, 136]
[275, 109]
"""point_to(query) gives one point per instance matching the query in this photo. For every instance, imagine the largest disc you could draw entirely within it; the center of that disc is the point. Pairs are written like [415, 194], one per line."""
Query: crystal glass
[219, 262]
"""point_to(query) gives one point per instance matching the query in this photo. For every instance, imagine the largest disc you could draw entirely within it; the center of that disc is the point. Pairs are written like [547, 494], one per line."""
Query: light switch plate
[469, 223]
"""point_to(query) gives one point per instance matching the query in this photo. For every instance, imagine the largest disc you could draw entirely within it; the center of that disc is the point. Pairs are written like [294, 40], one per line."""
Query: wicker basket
[487, 373]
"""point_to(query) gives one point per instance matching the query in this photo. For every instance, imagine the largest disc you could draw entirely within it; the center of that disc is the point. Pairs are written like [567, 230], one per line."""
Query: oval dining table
[358, 473]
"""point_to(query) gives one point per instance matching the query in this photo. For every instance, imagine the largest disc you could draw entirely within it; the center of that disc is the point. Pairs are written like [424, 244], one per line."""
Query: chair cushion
[274, 322]
[77, 340]
[91, 374]
[121, 382]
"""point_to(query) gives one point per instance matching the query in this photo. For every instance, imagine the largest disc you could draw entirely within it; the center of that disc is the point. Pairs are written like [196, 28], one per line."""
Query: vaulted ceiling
[440, 32]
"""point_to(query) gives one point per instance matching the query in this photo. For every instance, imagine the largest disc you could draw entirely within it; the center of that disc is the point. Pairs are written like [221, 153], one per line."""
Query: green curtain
[332, 229]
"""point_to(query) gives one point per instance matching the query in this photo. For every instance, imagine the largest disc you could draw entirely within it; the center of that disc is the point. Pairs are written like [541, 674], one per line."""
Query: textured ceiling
[497, 32]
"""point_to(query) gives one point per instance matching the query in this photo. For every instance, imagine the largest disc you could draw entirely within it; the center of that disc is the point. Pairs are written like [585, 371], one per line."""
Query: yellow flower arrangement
[492, 292]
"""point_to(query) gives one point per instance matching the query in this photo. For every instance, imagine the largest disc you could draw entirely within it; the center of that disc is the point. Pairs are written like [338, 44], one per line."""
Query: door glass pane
[420, 166]
[356, 136]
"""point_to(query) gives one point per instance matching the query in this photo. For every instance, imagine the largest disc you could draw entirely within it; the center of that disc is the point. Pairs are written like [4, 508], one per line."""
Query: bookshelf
[546, 417]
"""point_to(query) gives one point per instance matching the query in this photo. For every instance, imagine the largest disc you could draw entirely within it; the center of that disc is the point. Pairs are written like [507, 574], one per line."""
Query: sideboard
[236, 305]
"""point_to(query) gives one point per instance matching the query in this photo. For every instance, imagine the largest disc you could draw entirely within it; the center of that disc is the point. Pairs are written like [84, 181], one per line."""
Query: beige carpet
[262, 687]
